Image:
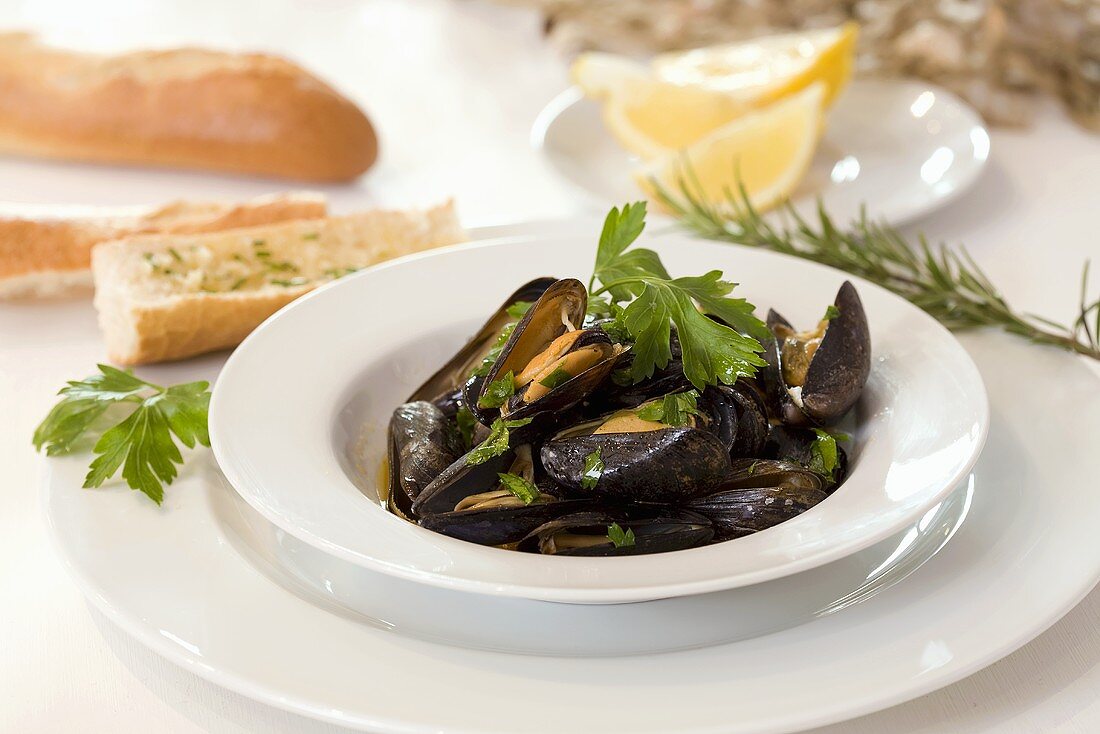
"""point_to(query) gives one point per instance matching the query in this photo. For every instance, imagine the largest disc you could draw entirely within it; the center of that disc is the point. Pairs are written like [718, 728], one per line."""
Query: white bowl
[299, 415]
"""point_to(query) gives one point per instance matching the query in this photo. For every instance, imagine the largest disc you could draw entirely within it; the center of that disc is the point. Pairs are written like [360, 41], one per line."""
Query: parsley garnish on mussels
[520, 487]
[824, 454]
[676, 409]
[593, 470]
[719, 349]
[620, 538]
[497, 441]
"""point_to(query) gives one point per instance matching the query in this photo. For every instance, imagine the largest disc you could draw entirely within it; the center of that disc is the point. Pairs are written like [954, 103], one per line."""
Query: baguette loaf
[43, 257]
[189, 108]
[168, 297]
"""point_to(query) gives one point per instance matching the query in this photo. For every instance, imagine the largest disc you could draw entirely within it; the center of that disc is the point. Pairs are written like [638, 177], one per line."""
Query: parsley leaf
[498, 391]
[556, 378]
[672, 410]
[831, 312]
[593, 470]
[824, 455]
[466, 421]
[520, 487]
[517, 311]
[712, 351]
[497, 441]
[620, 538]
[143, 445]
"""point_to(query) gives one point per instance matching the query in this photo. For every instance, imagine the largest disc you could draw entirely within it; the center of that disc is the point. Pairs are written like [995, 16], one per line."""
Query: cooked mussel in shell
[758, 494]
[593, 533]
[423, 444]
[550, 362]
[815, 376]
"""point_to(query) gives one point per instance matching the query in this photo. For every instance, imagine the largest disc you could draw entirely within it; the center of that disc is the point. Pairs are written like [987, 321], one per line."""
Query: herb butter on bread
[169, 297]
[47, 252]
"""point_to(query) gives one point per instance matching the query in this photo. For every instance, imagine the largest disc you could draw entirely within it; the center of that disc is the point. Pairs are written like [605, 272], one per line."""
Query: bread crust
[189, 108]
[143, 323]
[45, 257]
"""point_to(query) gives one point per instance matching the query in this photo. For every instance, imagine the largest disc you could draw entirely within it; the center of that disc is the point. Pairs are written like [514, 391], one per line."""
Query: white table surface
[453, 88]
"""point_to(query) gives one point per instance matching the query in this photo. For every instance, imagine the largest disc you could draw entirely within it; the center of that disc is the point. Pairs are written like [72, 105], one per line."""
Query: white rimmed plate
[902, 148]
[300, 410]
[190, 596]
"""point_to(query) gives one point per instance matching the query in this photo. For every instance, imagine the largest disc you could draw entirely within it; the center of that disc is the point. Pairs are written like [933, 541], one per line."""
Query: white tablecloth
[453, 87]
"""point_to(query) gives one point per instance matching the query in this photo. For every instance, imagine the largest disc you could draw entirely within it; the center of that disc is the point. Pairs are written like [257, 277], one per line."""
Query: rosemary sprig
[944, 282]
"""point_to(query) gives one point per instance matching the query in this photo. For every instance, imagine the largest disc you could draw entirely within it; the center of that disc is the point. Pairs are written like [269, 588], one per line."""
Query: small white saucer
[902, 148]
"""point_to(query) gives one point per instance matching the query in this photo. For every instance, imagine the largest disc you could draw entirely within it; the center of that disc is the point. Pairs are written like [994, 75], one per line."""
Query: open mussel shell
[788, 443]
[757, 495]
[664, 381]
[667, 465]
[423, 444]
[451, 376]
[586, 533]
[499, 526]
[836, 371]
[460, 480]
[547, 338]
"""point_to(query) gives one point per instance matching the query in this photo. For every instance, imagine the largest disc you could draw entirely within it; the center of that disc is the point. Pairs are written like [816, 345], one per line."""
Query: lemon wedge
[648, 116]
[767, 151]
[764, 70]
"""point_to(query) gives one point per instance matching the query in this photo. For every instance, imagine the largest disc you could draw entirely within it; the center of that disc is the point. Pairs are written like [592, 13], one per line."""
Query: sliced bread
[174, 296]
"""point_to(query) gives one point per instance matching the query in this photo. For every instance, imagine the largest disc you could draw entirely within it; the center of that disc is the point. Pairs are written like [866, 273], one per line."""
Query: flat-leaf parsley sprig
[715, 350]
[143, 444]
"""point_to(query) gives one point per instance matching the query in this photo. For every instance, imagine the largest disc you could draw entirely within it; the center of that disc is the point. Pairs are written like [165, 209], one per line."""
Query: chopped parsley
[824, 454]
[555, 379]
[497, 392]
[593, 470]
[620, 538]
[289, 283]
[496, 443]
[831, 313]
[466, 422]
[520, 487]
[676, 409]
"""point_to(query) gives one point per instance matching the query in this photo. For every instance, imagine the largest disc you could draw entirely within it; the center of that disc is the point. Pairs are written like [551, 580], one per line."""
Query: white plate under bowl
[902, 148]
[171, 576]
[299, 414]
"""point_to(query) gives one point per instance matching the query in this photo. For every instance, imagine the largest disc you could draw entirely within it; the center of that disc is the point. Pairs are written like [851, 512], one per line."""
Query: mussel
[422, 444]
[798, 445]
[498, 517]
[642, 460]
[449, 379]
[757, 494]
[646, 531]
[554, 362]
[815, 376]
[460, 480]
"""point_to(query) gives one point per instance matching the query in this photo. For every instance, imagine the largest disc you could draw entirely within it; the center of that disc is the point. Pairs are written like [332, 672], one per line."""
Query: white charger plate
[299, 415]
[902, 148]
[172, 578]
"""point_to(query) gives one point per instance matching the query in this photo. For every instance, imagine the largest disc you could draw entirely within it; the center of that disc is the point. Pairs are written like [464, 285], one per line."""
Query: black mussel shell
[450, 403]
[737, 416]
[541, 325]
[451, 376]
[796, 444]
[837, 371]
[667, 465]
[671, 379]
[498, 526]
[586, 533]
[423, 443]
[460, 480]
[758, 495]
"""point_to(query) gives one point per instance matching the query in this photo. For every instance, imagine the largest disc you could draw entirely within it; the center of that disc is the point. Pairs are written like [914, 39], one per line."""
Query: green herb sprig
[620, 538]
[676, 409]
[497, 442]
[713, 352]
[593, 470]
[520, 487]
[944, 282]
[143, 444]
